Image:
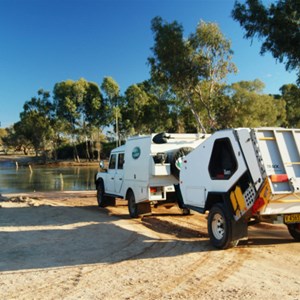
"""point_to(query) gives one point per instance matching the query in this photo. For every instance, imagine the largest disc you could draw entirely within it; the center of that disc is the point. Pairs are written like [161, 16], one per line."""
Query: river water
[41, 179]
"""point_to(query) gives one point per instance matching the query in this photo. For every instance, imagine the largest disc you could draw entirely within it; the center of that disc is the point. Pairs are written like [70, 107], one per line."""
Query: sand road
[62, 246]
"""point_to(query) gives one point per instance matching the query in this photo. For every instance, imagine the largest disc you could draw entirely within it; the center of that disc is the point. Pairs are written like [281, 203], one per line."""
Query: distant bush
[66, 152]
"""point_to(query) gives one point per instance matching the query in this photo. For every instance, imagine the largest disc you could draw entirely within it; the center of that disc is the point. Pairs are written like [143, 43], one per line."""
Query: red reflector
[259, 202]
[153, 189]
[279, 178]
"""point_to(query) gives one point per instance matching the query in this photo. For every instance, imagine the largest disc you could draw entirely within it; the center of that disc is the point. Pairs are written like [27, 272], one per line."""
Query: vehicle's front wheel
[132, 206]
[100, 195]
[294, 230]
[219, 228]
[102, 199]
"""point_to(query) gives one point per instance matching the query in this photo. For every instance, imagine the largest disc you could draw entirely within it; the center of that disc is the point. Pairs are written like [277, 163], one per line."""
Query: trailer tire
[132, 206]
[220, 228]
[176, 160]
[294, 230]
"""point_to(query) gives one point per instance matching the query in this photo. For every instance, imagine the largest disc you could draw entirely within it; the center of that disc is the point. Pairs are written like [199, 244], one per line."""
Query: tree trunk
[197, 117]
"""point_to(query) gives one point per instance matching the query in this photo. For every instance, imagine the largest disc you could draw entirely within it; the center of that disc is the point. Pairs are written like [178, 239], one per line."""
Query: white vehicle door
[119, 174]
[111, 172]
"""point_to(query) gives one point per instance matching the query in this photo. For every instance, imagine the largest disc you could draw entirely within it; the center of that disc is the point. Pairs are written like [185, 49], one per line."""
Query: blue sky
[47, 41]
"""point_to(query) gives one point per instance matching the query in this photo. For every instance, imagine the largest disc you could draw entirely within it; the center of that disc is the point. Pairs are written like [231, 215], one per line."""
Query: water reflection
[14, 180]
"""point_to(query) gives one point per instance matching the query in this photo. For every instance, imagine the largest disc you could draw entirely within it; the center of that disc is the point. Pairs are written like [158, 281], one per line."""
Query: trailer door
[250, 156]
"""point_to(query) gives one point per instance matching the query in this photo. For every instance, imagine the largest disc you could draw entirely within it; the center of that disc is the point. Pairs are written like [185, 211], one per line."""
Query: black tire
[219, 228]
[175, 161]
[186, 211]
[294, 230]
[101, 199]
[160, 138]
[132, 206]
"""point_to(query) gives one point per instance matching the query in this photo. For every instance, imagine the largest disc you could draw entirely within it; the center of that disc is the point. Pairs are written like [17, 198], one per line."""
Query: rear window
[120, 161]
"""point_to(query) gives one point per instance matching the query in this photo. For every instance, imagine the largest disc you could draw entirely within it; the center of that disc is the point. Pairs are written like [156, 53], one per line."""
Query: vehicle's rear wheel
[294, 230]
[185, 211]
[219, 228]
[132, 206]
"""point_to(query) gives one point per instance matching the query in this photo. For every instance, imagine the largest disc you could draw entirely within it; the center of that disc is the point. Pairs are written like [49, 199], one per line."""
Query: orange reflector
[279, 178]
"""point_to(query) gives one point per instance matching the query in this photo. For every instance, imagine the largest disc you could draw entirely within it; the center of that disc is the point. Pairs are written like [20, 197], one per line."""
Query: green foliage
[3, 134]
[113, 103]
[291, 96]
[277, 26]
[194, 68]
[247, 106]
[36, 121]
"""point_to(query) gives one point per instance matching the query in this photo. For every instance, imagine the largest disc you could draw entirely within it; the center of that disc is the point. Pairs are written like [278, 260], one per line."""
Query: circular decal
[136, 152]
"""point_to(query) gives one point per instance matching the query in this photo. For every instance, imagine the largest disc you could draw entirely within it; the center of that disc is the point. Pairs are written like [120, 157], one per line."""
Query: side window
[120, 161]
[112, 161]
[222, 164]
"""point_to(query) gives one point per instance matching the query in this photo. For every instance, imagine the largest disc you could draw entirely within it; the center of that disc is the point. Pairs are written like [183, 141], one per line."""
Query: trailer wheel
[294, 230]
[219, 228]
[132, 206]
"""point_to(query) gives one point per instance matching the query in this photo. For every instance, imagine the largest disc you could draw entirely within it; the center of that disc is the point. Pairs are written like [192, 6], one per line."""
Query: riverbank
[25, 160]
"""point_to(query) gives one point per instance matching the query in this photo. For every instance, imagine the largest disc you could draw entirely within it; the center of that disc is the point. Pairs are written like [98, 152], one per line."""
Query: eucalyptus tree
[112, 91]
[247, 106]
[194, 68]
[68, 99]
[36, 122]
[162, 112]
[94, 118]
[291, 96]
[136, 100]
[79, 106]
[277, 25]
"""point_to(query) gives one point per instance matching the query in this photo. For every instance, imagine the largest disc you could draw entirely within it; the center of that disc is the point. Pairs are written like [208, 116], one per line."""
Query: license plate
[294, 218]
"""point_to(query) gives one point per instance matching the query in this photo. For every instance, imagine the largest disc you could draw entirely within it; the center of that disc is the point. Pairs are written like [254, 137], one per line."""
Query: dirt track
[61, 246]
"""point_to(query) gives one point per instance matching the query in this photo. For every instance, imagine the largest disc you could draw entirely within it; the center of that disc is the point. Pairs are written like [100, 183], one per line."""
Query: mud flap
[179, 196]
[144, 208]
[239, 229]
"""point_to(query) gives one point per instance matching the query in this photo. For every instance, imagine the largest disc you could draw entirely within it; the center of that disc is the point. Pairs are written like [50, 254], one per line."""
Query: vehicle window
[112, 161]
[222, 164]
[120, 161]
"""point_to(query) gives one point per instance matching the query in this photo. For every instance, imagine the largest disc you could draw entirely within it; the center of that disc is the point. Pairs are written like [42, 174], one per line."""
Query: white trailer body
[239, 174]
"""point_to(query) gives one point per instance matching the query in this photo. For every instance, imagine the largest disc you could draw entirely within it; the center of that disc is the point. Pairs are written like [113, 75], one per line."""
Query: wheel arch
[213, 199]
[99, 181]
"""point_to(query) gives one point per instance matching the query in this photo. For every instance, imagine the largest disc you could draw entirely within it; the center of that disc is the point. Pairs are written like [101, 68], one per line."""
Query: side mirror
[101, 164]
